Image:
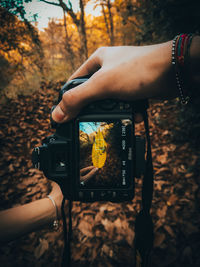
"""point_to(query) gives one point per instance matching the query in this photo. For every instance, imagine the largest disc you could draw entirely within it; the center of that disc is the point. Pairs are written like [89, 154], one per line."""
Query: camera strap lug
[37, 157]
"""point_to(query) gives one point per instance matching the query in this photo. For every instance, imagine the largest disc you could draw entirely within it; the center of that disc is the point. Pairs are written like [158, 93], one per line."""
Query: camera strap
[67, 232]
[144, 226]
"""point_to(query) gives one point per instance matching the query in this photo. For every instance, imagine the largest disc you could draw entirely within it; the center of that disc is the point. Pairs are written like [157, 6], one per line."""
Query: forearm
[21, 220]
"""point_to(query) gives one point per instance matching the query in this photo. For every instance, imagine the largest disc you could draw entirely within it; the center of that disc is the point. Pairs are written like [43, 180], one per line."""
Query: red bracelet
[180, 54]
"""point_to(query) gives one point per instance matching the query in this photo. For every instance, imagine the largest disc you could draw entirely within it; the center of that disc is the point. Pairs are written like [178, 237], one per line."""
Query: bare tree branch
[70, 11]
[51, 3]
[82, 20]
[134, 22]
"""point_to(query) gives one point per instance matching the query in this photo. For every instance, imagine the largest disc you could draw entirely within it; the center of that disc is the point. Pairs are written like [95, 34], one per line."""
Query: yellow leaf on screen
[99, 150]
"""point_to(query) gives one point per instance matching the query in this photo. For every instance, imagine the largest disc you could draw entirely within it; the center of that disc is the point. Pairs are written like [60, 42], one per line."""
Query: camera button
[80, 194]
[121, 106]
[114, 194]
[103, 194]
[127, 106]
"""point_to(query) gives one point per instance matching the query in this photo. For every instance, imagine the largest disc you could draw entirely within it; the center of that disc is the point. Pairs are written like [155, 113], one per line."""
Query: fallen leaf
[162, 158]
[86, 228]
[159, 238]
[173, 198]
[41, 248]
[169, 230]
[161, 212]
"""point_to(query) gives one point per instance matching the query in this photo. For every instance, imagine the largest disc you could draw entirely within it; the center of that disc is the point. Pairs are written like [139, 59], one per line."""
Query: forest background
[29, 56]
[33, 66]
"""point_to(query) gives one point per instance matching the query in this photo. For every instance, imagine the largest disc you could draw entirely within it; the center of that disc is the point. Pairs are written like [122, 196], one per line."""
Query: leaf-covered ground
[103, 233]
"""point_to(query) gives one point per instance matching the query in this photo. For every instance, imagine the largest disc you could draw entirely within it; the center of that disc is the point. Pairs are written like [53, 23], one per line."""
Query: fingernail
[58, 115]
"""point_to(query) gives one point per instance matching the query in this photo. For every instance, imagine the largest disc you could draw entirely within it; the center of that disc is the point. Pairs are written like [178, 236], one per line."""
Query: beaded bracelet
[180, 55]
[55, 222]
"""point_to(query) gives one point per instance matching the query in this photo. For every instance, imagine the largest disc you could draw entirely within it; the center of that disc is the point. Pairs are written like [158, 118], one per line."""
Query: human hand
[87, 173]
[123, 72]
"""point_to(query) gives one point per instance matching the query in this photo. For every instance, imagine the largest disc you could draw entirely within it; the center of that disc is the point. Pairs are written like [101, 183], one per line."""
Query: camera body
[95, 156]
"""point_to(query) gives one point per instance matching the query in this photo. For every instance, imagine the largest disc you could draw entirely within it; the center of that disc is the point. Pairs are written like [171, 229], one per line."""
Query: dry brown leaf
[169, 230]
[119, 224]
[105, 249]
[162, 158]
[86, 228]
[11, 168]
[173, 198]
[41, 248]
[130, 234]
[159, 238]
[189, 175]
[161, 212]
[159, 184]
[108, 225]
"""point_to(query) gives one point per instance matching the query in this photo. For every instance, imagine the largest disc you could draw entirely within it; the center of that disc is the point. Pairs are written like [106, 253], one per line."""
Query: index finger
[89, 168]
[89, 67]
[89, 175]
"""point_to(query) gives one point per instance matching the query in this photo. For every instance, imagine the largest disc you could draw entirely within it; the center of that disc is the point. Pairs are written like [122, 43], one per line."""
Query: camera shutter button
[124, 106]
[80, 194]
[127, 106]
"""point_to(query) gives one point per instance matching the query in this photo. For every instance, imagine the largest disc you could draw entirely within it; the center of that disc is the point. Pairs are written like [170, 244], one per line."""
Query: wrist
[57, 196]
[55, 214]
[161, 79]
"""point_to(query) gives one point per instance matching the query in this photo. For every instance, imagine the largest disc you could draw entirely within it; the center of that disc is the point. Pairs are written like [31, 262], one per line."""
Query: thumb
[68, 107]
[76, 98]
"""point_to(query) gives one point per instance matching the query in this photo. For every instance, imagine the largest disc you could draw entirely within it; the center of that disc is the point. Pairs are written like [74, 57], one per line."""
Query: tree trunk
[105, 19]
[67, 42]
[80, 24]
[83, 31]
[111, 23]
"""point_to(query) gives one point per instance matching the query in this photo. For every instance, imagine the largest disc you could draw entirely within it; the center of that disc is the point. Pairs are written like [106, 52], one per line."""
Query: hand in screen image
[87, 173]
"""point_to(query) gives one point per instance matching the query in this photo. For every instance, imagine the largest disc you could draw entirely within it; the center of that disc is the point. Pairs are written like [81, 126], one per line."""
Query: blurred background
[41, 43]
[47, 40]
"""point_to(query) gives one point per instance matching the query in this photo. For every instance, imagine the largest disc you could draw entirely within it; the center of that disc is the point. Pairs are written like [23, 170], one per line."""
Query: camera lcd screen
[105, 154]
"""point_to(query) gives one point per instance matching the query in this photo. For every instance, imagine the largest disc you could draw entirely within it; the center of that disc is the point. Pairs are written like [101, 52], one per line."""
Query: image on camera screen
[104, 147]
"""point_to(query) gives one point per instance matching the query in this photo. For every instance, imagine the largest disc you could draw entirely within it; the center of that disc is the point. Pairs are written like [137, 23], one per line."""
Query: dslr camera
[95, 156]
